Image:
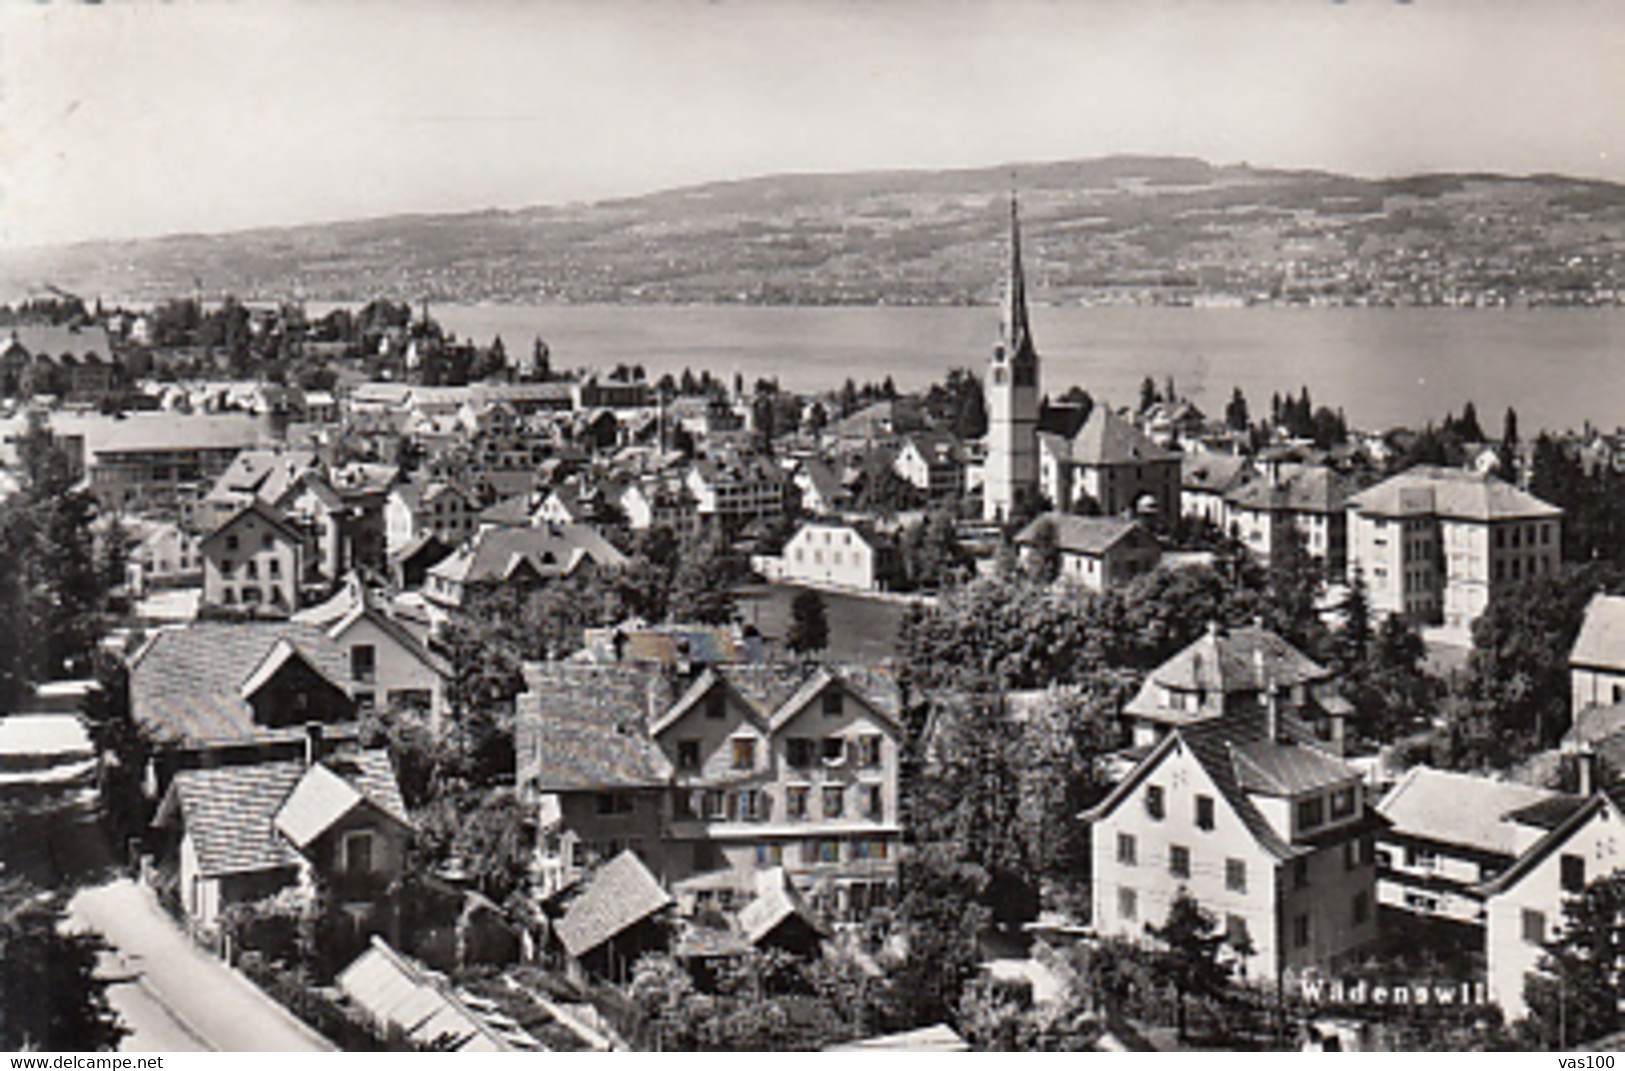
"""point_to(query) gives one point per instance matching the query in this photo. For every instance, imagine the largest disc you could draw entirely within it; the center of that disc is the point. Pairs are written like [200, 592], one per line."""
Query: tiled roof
[185, 683]
[777, 900]
[618, 897]
[272, 517]
[1461, 809]
[1080, 535]
[1273, 769]
[1546, 845]
[1216, 473]
[1296, 489]
[329, 791]
[1228, 661]
[1601, 642]
[57, 340]
[228, 811]
[267, 474]
[1108, 439]
[582, 727]
[1431, 490]
[494, 553]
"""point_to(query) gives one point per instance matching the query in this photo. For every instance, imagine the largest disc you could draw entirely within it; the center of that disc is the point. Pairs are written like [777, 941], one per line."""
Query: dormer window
[1343, 802]
[1311, 812]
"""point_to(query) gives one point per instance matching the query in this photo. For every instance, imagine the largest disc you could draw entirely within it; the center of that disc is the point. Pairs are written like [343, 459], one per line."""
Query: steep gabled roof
[496, 553]
[1545, 846]
[712, 678]
[186, 682]
[228, 810]
[1108, 439]
[333, 788]
[1601, 642]
[269, 514]
[582, 727]
[1297, 489]
[618, 897]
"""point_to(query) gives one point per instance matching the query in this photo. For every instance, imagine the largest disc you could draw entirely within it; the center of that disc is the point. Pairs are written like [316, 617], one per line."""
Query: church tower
[1011, 475]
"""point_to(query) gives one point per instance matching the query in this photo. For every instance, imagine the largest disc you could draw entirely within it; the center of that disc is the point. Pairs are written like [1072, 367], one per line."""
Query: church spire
[1015, 333]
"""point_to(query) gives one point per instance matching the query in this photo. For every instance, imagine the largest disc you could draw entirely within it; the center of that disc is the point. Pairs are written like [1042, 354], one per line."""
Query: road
[173, 996]
[181, 987]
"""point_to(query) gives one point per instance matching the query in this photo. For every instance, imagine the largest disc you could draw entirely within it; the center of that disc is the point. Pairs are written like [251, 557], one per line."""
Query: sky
[138, 119]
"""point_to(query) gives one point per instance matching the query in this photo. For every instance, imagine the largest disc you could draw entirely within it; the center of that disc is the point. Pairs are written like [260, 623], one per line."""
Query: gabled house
[736, 491]
[1205, 479]
[1597, 660]
[520, 557]
[1309, 499]
[1249, 816]
[390, 665]
[822, 492]
[711, 774]
[653, 504]
[1097, 552]
[1229, 671]
[212, 691]
[618, 916]
[254, 560]
[247, 831]
[932, 462]
[1524, 904]
[1108, 467]
[834, 553]
[417, 508]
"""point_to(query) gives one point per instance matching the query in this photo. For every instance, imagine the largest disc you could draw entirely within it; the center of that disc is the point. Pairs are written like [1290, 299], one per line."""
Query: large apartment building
[713, 774]
[1436, 544]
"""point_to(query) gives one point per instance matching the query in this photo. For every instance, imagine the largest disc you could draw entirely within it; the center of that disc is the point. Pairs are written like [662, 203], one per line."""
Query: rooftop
[1432, 490]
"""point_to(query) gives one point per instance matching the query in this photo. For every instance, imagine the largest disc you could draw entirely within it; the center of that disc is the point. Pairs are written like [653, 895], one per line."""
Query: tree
[1148, 394]
[1235, 414]
[50, 997]
[1509, 445]
[1045, 552]
[809, 627]
[489, 832]
[676, 1012]
[702, 586]
[1189, 957]
[1575, 995]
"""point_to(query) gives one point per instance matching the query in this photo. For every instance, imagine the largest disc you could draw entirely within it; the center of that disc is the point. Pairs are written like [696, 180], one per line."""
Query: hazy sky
[145, 119]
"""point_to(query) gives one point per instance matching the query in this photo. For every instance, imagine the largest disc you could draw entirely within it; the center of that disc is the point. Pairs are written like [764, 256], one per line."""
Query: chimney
[313, 743]
[1586, 763]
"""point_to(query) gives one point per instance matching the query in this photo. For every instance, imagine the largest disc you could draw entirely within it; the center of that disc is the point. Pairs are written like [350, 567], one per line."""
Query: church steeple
[1015, 330]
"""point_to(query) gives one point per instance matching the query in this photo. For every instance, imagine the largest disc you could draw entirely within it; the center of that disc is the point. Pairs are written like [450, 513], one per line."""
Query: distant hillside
[1121, 228]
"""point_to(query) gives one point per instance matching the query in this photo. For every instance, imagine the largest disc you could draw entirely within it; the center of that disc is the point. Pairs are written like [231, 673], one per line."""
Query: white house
[832, 553]
[1597, 662]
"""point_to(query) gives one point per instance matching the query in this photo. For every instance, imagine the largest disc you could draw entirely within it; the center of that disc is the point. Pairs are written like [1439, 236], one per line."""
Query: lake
[1558, 367]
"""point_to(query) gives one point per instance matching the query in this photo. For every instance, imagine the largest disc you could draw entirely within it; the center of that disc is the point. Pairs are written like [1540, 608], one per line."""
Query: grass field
[860, 630]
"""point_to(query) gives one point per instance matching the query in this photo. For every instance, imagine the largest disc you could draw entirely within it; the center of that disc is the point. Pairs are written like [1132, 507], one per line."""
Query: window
[1125, 849]
[1343, 802]
[834, 750]
[1311, 812]
[716, 705]
[1300, 931]
[1154, 801]
[870, 849]
[748, 805]
[364, 701]
[1204, 812]
[274, 568]
[231, 542]
[829, 851]
[1126, 905]
[1420, 858]
[1179, 861]
[744, 754]
[1361, 908]
[798, 751]
[769, 854]
[834, 801]
[833, 701]
[688, 754]
[358, 852]
[1574, 873]
[226, 567]
[795, 801]
[714, 803]
[266, 541]
[251, 569]
[1300, 873]
[1534, 926]
[874, 801]
[1235, 932]
[578, 854]
[614, 803]
[363, 662]
[1235, 875]
[869, 750]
